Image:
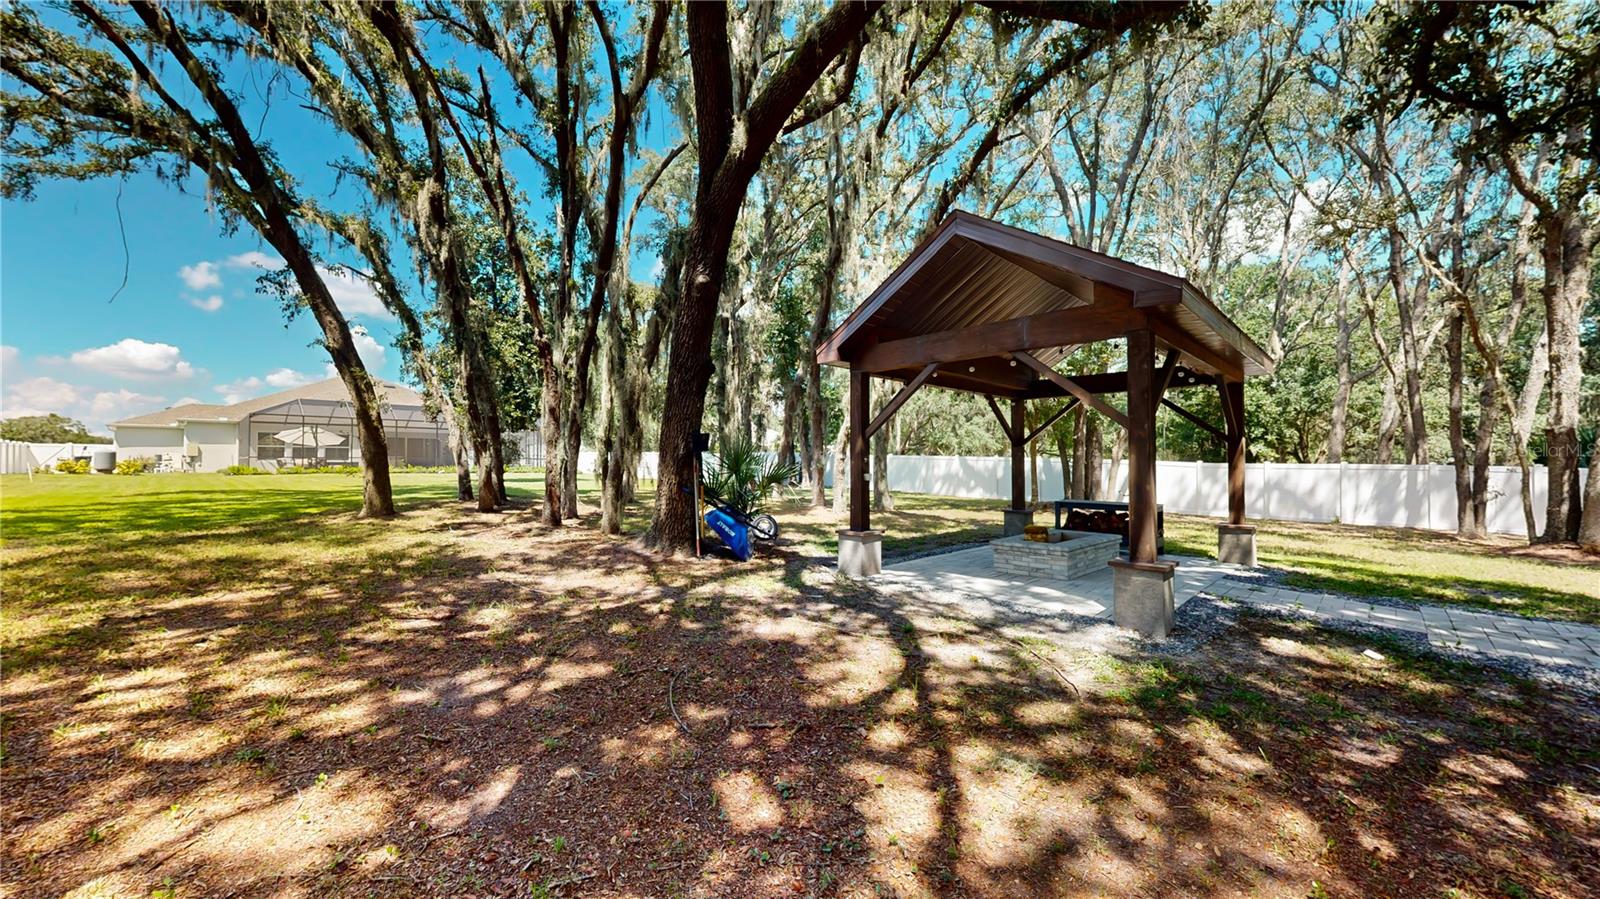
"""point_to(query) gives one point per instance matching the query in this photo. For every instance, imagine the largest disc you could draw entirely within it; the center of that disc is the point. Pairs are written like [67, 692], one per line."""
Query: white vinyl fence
[1415, 496]
[17, 457]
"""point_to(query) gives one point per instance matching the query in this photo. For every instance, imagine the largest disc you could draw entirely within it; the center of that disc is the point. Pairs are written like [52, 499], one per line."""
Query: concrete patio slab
[968, 581]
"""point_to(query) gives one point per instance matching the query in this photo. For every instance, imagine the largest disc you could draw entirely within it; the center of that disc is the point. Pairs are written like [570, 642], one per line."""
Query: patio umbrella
[312, 436]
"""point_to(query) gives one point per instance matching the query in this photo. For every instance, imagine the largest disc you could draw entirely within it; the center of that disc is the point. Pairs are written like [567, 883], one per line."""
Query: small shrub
[242, 469]
[73, 466]
[136, 465]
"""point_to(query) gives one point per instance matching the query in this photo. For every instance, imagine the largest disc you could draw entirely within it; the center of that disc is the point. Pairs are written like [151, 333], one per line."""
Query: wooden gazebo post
[860, 547]
[1236, 541]
[1019, 515]
[1142, 586]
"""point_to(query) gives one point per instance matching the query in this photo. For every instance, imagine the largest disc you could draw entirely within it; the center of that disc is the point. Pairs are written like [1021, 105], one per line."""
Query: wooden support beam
[899, 399]
[1068, 406]
[1172, 336]
[1070, 386]
[1164, 376]
[860, 403]
[1199, 422]
[1117, 382]
[1232, 393]
[1019, 462]
[1077, 325]
[1005, 426]
[1141, 446]
[1006, 378]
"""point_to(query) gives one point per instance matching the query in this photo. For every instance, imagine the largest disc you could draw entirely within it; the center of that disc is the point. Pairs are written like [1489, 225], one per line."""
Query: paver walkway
[968, 578]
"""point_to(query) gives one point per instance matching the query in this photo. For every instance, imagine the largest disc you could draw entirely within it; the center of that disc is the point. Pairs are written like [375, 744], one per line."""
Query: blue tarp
[734, 535]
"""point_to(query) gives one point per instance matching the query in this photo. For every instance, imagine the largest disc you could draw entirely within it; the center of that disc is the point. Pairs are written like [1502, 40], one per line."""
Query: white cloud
[288, 377]
[185, 401]
[352, 293]
[201, 276]
[240, 390]
[253, 259]
[38, 396]
[208, 304]
[370, 350]
[256, 385]
[9, 357]
[43, 396]
[110, 405]
[134, 358]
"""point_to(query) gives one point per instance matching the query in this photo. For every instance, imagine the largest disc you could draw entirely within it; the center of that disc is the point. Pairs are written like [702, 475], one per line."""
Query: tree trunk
[571, 451]
[882, 499]
[274, 222]
[689, 370]
[618, 398]
[1343, 377]
[1064, 453]
[1119, 449]
[1566, 257]
[1589, 529]
[1388, 420]
[726, 167]
[458, 454]
[840, 452]
[1454, 348]
[1416, 429]
[791, 403]
[1093, 476]
[1080, 454]
[1033, 469]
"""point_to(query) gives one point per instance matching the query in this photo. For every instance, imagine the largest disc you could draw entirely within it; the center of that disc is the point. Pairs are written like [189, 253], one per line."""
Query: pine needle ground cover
[219, 686]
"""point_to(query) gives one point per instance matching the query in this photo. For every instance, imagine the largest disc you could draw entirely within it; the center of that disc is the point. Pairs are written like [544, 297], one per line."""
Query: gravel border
[1206, 615]
[1279, 576]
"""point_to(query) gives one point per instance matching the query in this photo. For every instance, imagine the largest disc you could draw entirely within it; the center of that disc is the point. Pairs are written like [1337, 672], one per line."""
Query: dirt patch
[499, 709]
[1559, 553]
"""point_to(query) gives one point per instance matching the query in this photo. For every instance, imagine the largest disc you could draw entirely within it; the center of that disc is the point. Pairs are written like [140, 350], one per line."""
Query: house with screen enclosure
[307, 426]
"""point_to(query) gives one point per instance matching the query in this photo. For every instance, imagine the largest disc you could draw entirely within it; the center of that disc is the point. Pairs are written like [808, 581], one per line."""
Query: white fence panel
[20, 457]
[1413, 496]
[16, 457]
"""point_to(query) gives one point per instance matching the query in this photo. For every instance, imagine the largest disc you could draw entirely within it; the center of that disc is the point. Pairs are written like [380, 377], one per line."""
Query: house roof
[976, 291]
[330, 390]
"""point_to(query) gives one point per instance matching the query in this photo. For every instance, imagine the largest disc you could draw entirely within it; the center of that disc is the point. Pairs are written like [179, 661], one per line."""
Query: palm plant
[743, 477]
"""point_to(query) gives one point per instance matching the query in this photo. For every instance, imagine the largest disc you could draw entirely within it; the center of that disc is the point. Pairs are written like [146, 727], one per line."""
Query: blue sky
[189, 325]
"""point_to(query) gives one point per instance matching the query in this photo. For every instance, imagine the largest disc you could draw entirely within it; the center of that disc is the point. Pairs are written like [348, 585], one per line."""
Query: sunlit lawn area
[231, 686]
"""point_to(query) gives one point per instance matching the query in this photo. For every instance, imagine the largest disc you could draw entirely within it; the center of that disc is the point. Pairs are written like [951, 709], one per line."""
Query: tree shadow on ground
[452, 703]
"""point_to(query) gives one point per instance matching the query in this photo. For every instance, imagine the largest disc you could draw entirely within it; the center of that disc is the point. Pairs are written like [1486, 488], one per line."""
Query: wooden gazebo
[985, 308]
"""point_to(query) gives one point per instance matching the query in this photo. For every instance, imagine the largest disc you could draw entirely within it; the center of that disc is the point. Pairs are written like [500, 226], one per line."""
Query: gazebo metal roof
[974, 291]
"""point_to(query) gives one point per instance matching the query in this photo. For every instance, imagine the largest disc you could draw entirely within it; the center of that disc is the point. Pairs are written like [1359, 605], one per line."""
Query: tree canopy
[631, 222]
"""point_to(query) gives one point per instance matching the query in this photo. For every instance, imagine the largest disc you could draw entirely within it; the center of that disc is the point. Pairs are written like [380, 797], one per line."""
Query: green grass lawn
[1425, 566]
[1409, 564]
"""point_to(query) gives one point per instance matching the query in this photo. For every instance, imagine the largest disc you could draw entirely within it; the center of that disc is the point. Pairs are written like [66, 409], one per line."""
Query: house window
[268, 446]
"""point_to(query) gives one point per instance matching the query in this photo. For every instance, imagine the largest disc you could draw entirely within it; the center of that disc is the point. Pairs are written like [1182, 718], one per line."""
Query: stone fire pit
[1078, 553]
